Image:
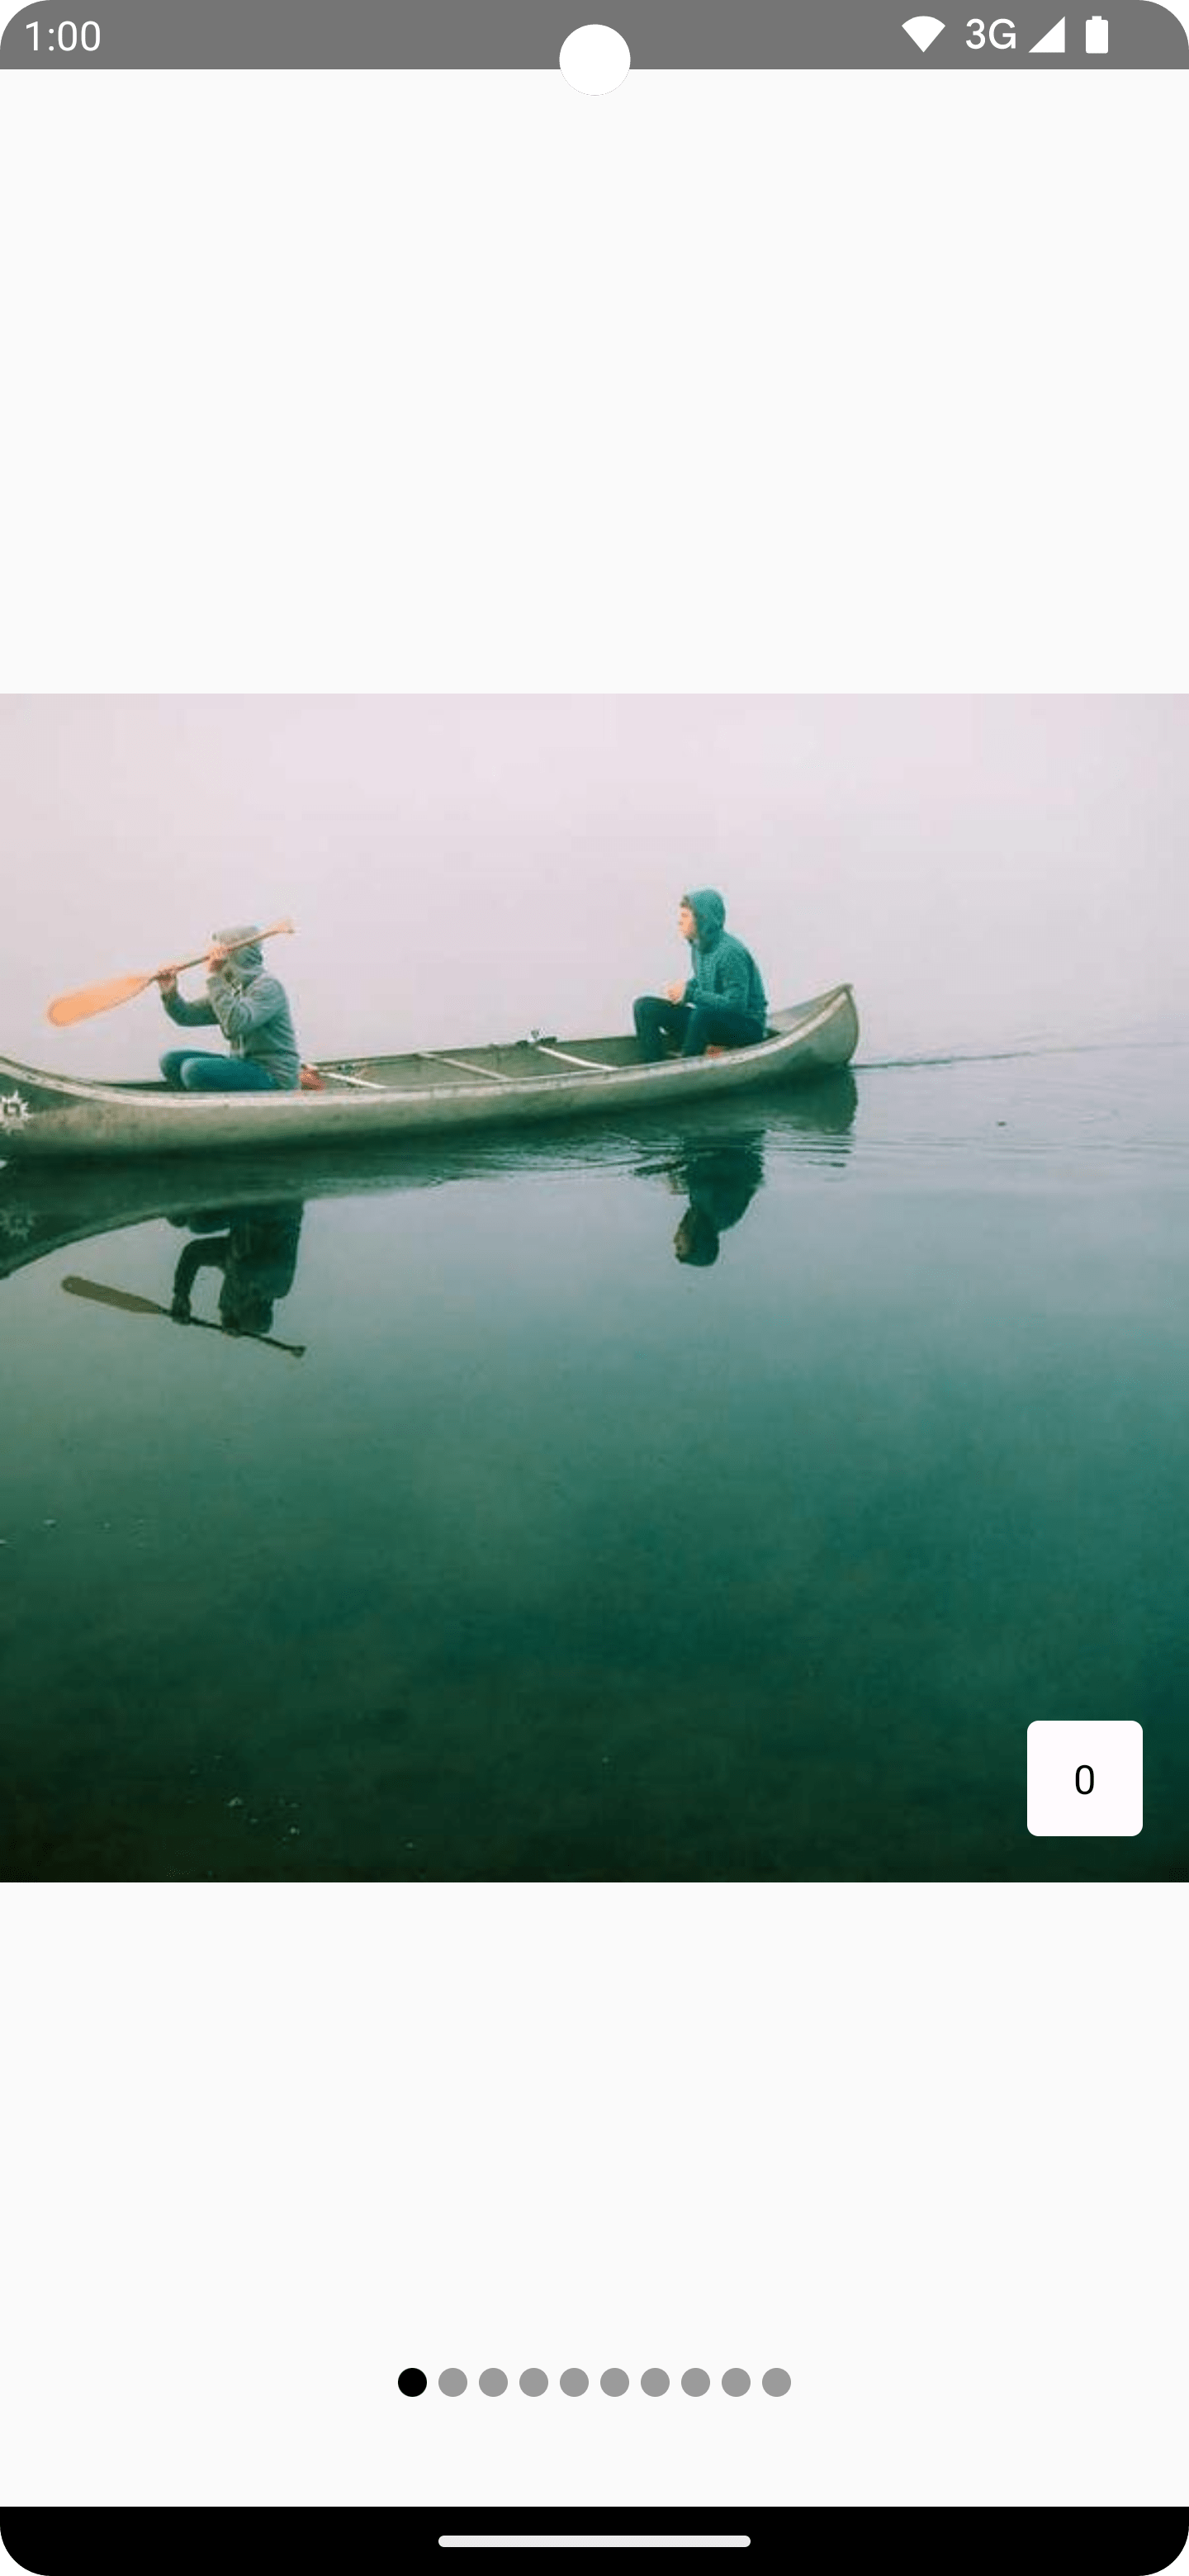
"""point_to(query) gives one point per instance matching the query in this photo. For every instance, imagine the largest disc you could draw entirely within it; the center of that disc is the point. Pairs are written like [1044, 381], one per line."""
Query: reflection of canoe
[402, 1095]
[45, 1207]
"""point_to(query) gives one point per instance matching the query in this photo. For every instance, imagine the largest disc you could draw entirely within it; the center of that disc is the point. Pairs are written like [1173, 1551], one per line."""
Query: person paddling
[722, 1004]
[250, 1007]
[258, 1258]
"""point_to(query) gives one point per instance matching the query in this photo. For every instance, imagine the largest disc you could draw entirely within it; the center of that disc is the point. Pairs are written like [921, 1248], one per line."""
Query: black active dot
[412, 2383]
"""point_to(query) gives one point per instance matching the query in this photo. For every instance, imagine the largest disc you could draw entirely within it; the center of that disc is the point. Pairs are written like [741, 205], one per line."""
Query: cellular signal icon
[924, 31]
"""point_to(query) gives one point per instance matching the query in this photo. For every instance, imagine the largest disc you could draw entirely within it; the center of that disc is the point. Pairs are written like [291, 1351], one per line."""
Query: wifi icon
[924, 31]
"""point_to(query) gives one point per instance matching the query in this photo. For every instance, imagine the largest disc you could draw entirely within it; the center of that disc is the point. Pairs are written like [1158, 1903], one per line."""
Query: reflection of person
[721, 1181]
[258, 1259]
[252, 1010]
[721, 1004]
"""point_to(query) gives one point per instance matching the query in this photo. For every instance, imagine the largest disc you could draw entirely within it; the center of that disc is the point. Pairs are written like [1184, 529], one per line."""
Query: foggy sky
[985, 871]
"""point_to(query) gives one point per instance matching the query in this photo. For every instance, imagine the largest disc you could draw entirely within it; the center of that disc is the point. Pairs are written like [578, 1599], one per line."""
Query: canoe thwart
[429, 1055]
[586, 1063]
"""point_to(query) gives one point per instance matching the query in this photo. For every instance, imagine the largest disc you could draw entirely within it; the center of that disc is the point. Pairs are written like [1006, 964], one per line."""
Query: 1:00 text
[66, 35]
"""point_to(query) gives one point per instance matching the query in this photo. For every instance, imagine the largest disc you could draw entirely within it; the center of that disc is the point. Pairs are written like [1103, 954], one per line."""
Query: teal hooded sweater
[250, 1007]
[724, 970]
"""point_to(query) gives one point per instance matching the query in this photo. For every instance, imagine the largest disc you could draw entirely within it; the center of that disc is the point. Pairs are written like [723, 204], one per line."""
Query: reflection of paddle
[130, 1305]
[70, 1007]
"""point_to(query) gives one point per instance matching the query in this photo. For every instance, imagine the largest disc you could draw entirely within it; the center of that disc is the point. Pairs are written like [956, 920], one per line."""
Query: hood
[696, 1239]
[246, 961]
[710, 913]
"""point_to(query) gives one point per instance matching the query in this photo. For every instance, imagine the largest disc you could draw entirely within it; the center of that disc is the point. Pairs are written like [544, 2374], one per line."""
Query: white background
[468, 382]
[463, 381]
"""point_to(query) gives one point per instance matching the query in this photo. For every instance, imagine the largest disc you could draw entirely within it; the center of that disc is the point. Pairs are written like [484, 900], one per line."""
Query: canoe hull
[46, 1115]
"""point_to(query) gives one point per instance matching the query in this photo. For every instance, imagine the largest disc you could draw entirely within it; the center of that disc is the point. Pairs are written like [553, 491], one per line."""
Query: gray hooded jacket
[250, 1007]
[724, 970]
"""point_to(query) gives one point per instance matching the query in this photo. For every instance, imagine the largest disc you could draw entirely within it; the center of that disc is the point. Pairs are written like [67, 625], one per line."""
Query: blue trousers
[192, 1069]
[695, 1025]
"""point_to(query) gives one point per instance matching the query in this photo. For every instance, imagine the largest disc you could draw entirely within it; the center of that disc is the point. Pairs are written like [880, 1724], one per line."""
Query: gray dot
[533, 2382]
[613, 2383]
[574, 2383]
[695, 2382]
[493, 2382]
[777, 2383]
[655, 2382]
[452, 2383]
[736, 2383]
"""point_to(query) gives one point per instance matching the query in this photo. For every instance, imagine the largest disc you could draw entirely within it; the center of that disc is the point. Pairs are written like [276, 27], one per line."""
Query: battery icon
[1097, 32]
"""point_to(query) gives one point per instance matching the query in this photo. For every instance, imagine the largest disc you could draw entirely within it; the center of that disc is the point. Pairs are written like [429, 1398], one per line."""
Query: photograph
[592, 1287]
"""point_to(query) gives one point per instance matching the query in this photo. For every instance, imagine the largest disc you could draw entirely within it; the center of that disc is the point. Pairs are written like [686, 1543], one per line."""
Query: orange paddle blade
[124, 988]
[96, 997]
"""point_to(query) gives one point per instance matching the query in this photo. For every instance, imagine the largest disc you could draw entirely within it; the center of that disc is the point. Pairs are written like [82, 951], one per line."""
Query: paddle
[70, 1007]
[130, 1305]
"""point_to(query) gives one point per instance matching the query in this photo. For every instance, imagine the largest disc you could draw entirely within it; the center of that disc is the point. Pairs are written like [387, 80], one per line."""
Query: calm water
[547, 1554]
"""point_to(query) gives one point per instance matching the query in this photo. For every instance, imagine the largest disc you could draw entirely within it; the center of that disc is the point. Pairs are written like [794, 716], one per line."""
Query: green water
[555, 1556]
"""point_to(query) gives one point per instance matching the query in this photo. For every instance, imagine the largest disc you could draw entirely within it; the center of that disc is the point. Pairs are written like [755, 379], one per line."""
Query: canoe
[375, 1098]
[49, 1206]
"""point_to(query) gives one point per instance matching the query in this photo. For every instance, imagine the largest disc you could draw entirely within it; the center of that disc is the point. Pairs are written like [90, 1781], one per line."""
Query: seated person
[252, 1010]
[721, 1004]
[721, 1181]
